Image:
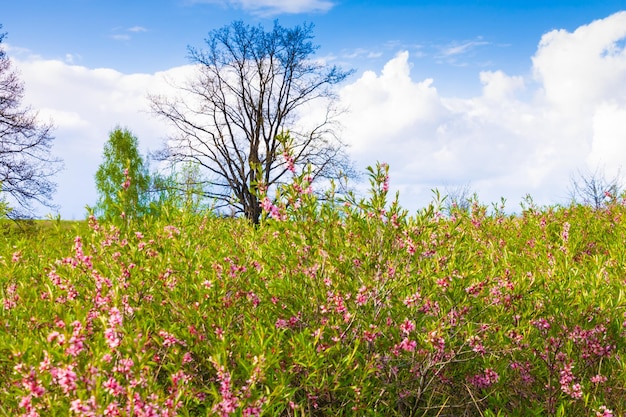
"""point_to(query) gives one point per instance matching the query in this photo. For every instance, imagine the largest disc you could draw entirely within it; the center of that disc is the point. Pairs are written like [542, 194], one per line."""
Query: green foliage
[122, 180]
[5, 209]
[183, 190]
[334, 307]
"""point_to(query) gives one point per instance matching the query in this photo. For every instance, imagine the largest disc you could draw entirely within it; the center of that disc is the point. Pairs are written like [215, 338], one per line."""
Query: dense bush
[337, 308]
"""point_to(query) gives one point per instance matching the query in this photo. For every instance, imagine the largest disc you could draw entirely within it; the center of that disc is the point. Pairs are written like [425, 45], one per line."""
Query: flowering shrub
[345, 307]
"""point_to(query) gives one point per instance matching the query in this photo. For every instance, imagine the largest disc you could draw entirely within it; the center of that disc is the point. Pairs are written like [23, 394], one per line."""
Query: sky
[504, 98]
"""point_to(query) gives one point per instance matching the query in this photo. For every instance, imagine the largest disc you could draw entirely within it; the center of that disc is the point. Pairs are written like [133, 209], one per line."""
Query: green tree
[181, 191]
[122, 180]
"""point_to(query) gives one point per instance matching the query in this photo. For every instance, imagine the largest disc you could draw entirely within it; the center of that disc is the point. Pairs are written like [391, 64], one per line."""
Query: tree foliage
[252, 86]
[122, 179]
[182, 190]
[26, 164]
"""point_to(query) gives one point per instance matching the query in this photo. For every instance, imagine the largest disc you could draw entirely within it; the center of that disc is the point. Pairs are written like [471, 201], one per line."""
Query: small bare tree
[26, 167]
[594, 188]
[250, 90]
[459, 198]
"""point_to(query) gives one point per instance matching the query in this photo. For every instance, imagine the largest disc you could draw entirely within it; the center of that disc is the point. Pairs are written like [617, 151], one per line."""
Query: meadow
[344, 307]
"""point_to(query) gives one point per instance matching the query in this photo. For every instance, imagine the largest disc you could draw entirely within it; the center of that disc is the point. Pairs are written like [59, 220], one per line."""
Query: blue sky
[444, 36]
[508, 97]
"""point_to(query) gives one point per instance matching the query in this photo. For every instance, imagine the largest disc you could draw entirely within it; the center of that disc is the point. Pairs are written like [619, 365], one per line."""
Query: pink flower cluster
[126, 183]
[11, 297]
[111, 333]
[272, 210]
[603, 411]
[170, 340]
[77, 340]
[229, 402]
[568, 386]
[485, 379]
[290, 162]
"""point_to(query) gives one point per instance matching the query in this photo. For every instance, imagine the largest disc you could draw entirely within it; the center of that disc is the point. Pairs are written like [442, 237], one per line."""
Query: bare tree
[594, 188]
[26, 166]
[459, 198]
[250, 90]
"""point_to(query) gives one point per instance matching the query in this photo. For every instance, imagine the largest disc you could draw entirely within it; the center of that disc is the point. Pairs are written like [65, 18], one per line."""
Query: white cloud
[362, 52]
[458, 49]
[274, 7]
[120, 37]
[608, 147]
[498, 86]
[125, 34]
[388, 105]
[519, 135]
[508, 141]
[137, 29]
[583, 67]
[85, 105]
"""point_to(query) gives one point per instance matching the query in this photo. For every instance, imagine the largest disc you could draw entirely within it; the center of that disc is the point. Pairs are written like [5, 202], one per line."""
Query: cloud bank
[85, 105]
[521, 135]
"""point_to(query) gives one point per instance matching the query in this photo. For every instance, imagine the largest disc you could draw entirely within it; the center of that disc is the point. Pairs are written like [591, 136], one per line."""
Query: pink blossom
[252, 411]
[76, 344]
[566, 379]
[408, 345]
[577, 391]
[180, 376]
[113, 387]
[362, 296]
[541, 324]
[271, 209]
[476, 344]
[27, 404]
[598, 379]
[115, 317]
[171, 231]
[219, 333]
[44, 365]
[112, 410]
[112, 338]
[407, 326]
[412, 300]
[33, 385]
[60, 338]
[126, 183]
[65, 378]
[229, 402]
[78, 407]
[565, 232]
[124, 366]
[290, 162]
[170, 340]
[485, 379]
[603, 411]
